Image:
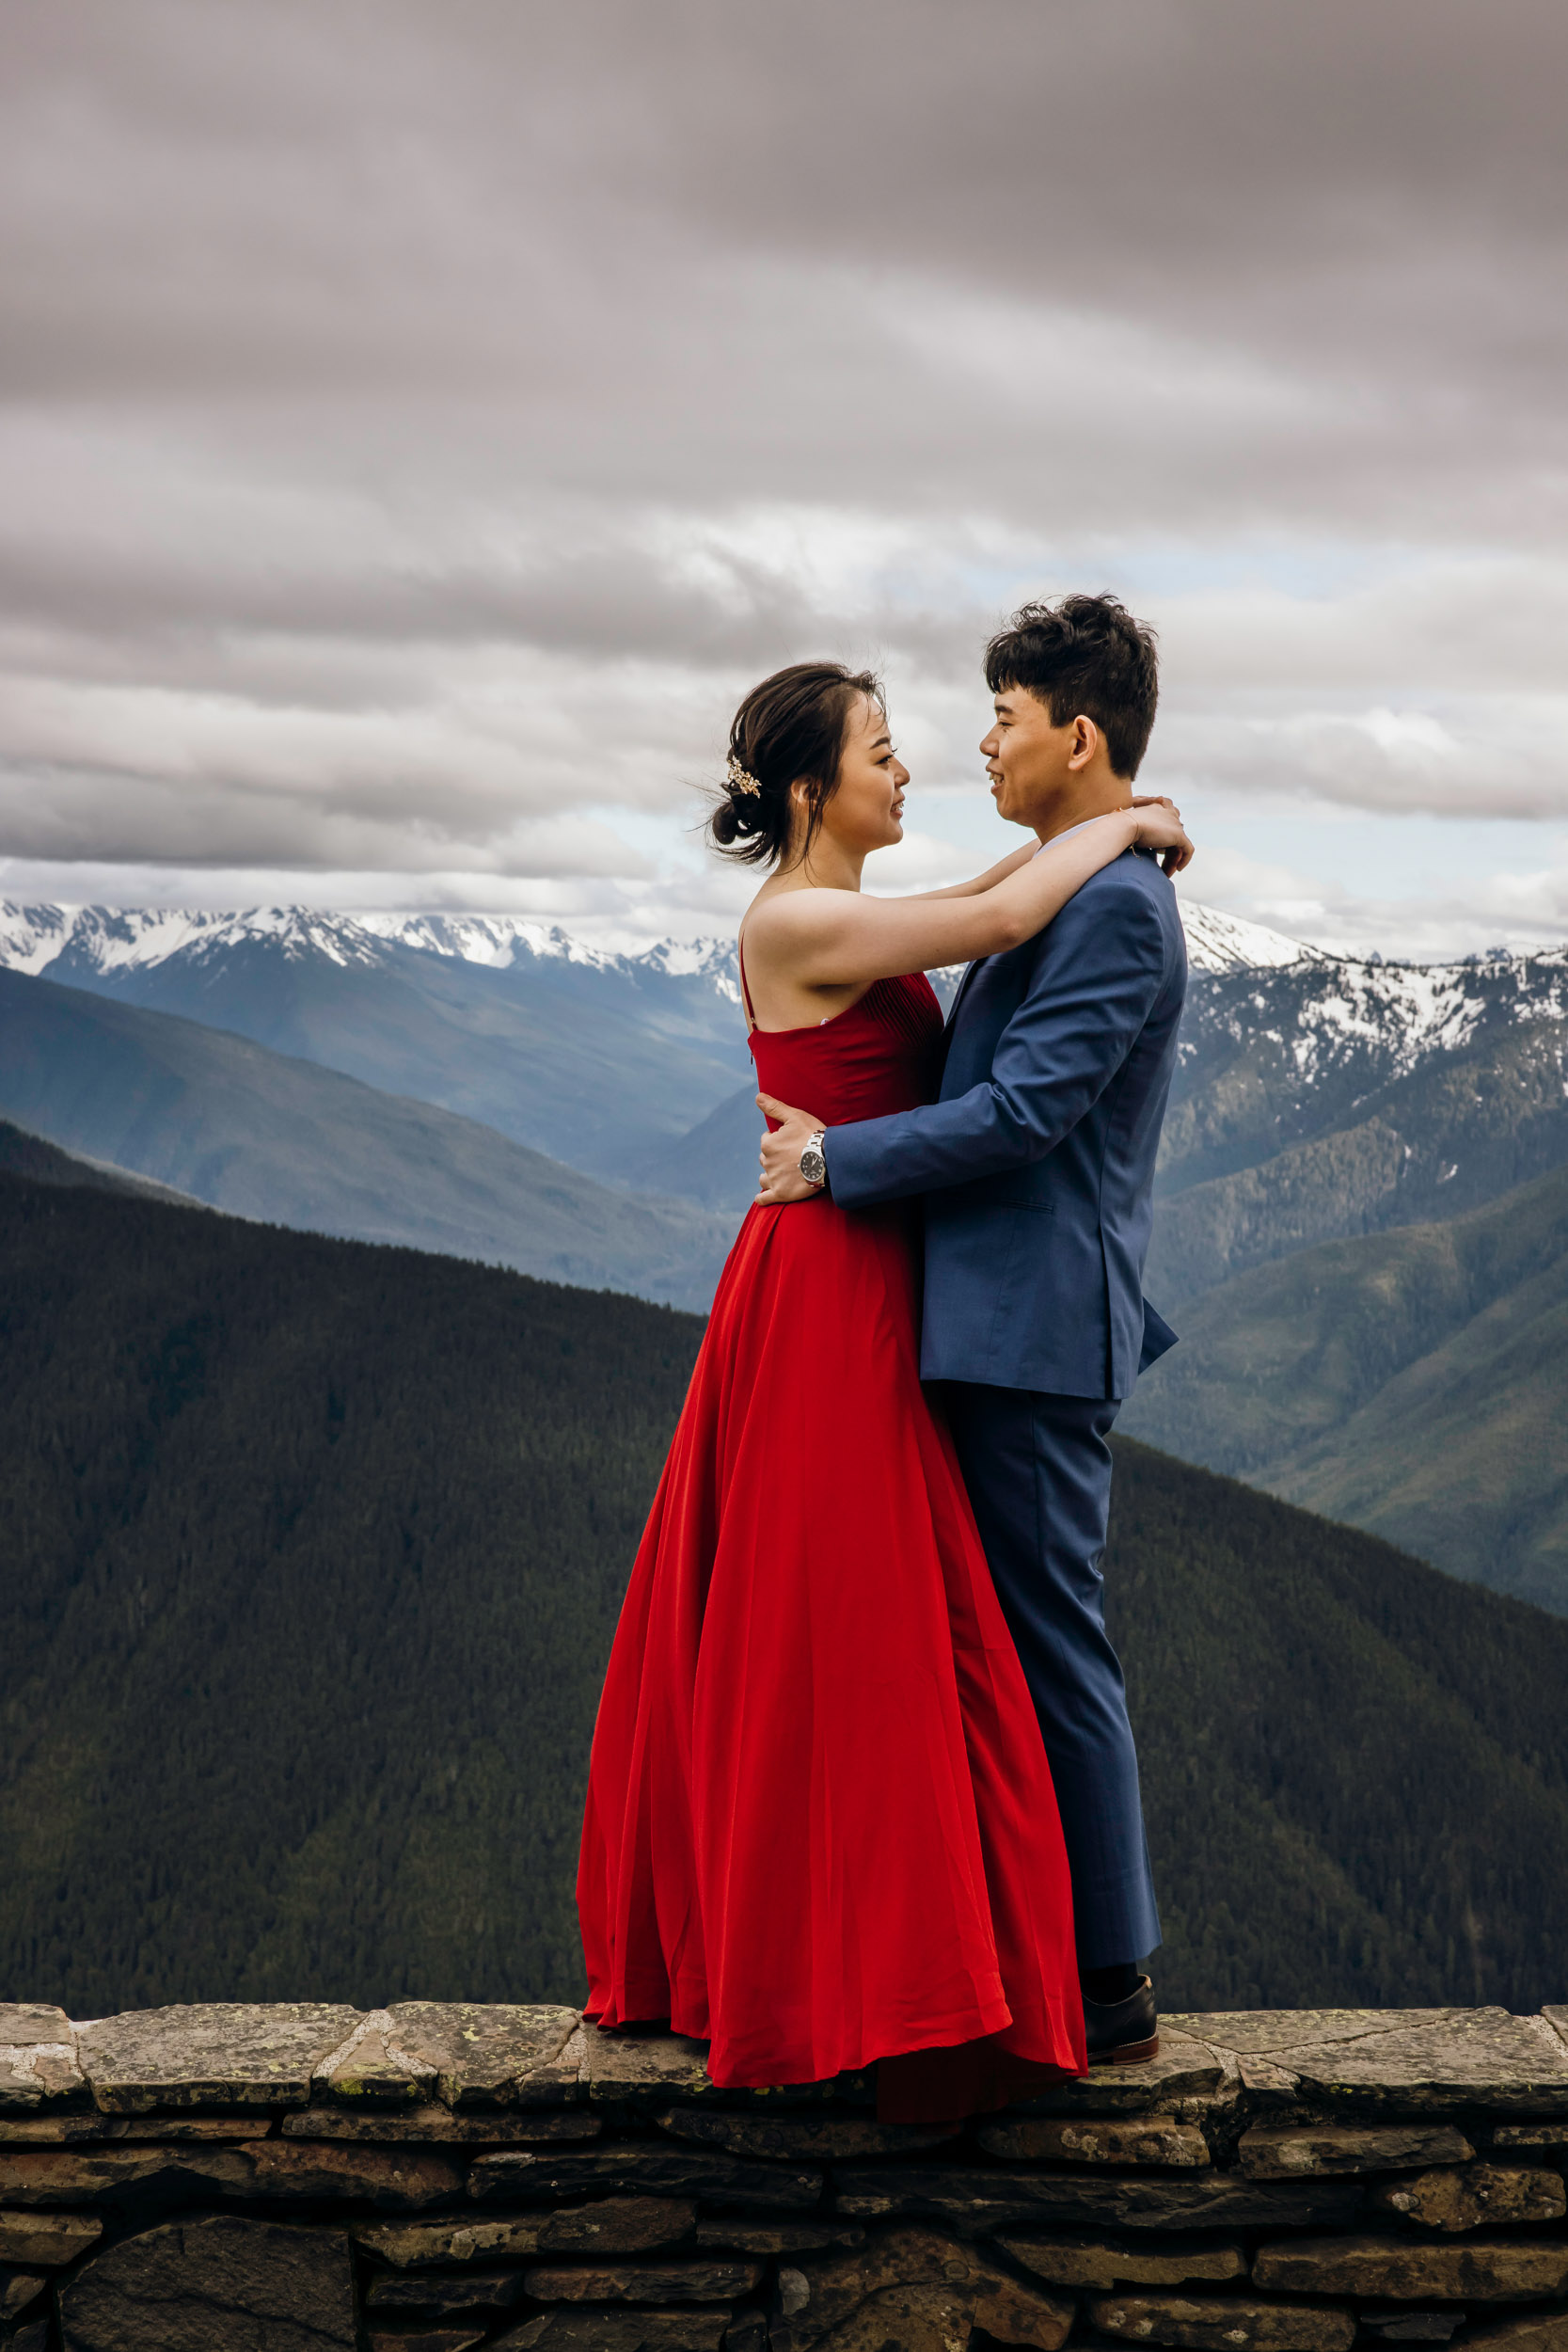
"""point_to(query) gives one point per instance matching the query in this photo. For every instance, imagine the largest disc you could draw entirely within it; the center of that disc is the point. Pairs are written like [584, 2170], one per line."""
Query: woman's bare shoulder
[787, 915]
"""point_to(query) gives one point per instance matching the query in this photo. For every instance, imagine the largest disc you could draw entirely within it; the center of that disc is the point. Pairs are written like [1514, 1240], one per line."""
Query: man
[1037, 1168]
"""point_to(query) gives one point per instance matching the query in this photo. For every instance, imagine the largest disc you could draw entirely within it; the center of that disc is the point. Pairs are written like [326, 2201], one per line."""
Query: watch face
[814, 1168]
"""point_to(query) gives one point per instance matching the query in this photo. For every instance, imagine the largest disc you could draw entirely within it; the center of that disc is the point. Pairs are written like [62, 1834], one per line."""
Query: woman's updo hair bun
[789, 730]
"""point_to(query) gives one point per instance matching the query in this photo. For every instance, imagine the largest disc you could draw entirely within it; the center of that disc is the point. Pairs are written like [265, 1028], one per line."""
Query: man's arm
[1054, 1059]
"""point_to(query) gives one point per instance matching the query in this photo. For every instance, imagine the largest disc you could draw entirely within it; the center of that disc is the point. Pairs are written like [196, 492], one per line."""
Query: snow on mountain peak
[1226, 943]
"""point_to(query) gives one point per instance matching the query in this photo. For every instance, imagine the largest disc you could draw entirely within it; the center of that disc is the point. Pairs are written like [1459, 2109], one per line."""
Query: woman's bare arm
[835, 938]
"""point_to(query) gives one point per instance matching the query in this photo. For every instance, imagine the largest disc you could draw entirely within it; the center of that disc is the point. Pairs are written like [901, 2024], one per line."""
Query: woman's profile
[820, 1831]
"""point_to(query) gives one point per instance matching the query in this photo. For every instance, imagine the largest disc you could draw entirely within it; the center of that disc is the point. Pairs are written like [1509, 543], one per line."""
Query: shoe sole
[1127, 2053]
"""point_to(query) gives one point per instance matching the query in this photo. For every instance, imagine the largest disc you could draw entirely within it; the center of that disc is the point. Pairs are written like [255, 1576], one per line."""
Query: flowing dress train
[820, 1829]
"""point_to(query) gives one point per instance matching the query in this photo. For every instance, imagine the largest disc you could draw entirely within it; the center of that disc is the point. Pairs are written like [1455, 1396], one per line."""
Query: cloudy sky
[420, 423]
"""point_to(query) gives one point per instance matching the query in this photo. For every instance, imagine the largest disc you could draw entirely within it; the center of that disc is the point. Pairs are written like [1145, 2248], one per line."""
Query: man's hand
[782, 1180]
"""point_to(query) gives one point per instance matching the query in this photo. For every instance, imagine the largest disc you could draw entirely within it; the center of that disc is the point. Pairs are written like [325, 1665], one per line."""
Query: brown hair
[789, 730]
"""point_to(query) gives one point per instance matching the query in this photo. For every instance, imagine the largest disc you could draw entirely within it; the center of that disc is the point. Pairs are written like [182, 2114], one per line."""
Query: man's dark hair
[1088, 655]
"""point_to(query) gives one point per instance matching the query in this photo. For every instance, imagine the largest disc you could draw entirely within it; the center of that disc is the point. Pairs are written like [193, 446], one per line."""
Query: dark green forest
[313, 1552]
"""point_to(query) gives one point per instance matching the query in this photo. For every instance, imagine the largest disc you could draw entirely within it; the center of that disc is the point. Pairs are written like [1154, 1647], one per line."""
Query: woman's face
[865, 810]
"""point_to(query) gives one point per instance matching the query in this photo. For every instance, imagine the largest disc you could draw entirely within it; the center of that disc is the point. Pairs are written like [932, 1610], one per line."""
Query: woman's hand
[1160, 828]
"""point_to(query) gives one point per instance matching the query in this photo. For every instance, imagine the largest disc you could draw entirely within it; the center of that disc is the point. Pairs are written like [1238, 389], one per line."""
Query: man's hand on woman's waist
[782, 1180]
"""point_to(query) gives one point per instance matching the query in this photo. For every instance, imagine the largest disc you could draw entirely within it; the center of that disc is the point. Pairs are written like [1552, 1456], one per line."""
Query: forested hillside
[1414, 1382]
[312, 1555]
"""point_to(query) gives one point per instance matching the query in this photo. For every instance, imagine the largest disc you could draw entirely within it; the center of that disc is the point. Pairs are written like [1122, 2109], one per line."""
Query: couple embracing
[863, 1787]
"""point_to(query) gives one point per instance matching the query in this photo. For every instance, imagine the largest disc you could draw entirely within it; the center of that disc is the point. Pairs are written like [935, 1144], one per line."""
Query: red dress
[820, 1827]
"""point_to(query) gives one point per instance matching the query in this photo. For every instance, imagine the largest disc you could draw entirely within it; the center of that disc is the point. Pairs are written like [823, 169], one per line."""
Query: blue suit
[1038, 1167]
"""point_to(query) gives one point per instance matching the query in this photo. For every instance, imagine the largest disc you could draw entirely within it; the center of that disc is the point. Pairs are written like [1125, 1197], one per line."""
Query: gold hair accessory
[738, 778]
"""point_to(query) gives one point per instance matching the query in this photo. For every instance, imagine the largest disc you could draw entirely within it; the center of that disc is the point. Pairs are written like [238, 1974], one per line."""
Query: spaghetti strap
[745, 993]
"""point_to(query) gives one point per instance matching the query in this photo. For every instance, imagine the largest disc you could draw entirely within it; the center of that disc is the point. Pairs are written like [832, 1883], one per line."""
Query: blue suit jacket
[1037, 1161]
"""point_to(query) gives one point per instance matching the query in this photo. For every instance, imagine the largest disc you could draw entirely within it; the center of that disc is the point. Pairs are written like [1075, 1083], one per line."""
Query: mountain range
[270, 1137]
[314, 1551]
[591, 1058]
[379, 1072]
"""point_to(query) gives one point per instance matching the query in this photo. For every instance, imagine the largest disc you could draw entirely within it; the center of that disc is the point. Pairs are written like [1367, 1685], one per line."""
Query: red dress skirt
[820, 1828]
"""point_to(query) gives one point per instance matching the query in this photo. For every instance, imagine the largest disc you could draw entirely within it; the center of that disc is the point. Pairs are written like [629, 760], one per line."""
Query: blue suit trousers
[1038, 1471]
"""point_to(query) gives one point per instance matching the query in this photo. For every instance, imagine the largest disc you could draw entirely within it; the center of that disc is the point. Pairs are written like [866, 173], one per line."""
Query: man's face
[1027, 756]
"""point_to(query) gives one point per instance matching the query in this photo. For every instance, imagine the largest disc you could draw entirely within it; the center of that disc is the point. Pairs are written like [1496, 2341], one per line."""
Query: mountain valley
[1322, 1109]
[264, 1135]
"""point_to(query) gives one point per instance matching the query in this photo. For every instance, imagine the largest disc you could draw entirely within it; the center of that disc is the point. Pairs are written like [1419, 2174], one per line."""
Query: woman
[820, 1828]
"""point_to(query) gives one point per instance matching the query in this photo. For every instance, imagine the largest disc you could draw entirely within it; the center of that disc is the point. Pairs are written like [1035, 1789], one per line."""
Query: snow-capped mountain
[595, 1058]
[107, 939]
[633, 1066]
[104, 940]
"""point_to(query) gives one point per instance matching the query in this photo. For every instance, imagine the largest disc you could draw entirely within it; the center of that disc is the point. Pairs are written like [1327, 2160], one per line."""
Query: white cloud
[419, 428]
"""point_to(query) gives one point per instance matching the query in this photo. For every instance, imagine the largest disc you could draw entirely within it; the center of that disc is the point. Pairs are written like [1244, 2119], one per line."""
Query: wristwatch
[814, 1167]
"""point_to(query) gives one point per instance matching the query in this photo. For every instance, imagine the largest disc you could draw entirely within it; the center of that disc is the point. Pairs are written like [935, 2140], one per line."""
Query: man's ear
[1085, 742]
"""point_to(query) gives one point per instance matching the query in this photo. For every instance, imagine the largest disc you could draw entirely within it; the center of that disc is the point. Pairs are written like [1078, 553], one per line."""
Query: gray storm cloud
[417, 425]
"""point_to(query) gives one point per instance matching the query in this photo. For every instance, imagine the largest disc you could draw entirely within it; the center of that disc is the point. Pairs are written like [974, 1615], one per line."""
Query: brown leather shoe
[1123, 2033]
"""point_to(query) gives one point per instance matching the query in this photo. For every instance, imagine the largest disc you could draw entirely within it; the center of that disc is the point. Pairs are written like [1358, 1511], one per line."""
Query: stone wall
[430, 2178]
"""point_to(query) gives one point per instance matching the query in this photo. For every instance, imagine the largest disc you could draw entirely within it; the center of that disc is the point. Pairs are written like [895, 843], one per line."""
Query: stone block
[410, 2245]
[1077, 2261]
[976, 2200]
[1221, 2323]
[33, 2025]
[438, 2294]
[1413, 2062]
[1537, 2331]
[734, 2232]
[1499, 2270]
[1291, 2152]
[1186, 2068]
[571, 2327]
[646, 2069]
[68, 2176]
[1150, 2139]
[37, 2059]
[393, 2180]
[1547, 2135]
[617, 2225]
[218, 2054]
[691, 2282]
[801, 2140]
[643, 2167]
[493, 2054]
[916, 2289]
[221, 2284]
[46, 2241]
[18, 2288]
[620, 2225]
[33, 2336]
[474, 2127]
[65, 2130]
[374, 2064]
[1261, 2032]
[1473, 2195]
[76, 2129]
